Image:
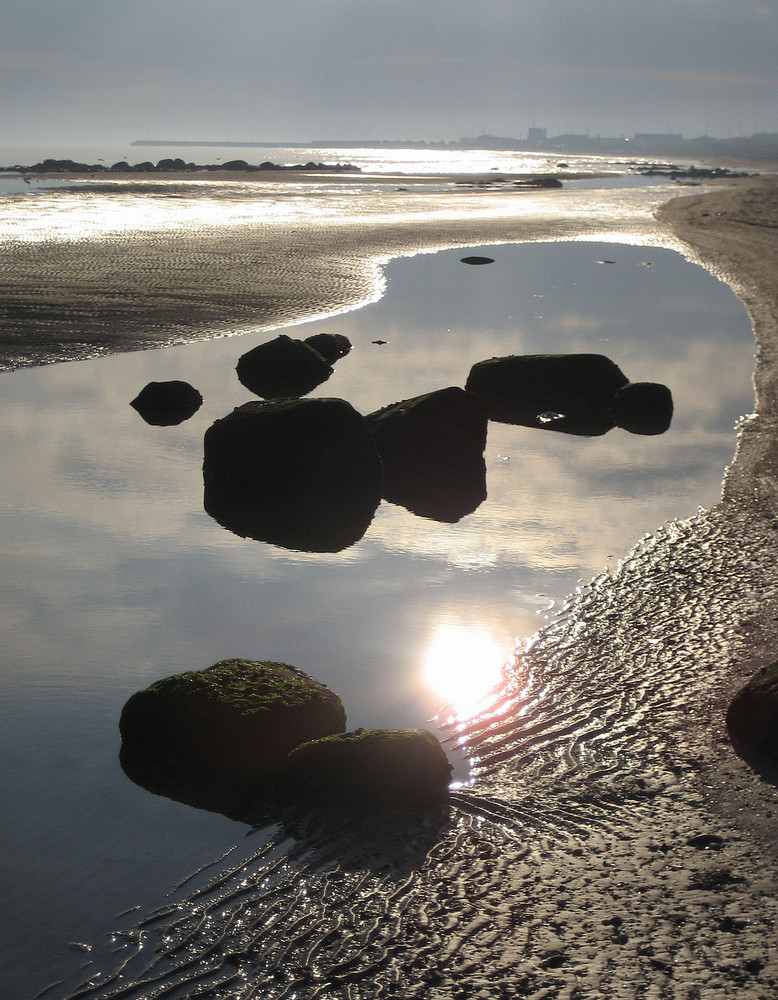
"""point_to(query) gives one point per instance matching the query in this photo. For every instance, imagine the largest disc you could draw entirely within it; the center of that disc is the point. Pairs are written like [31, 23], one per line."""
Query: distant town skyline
[89, 72]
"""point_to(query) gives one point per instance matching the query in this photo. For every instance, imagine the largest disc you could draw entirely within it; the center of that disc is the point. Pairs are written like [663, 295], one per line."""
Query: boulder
[432, 451]
[331, 346]
[238, 717]
[303, 474]
[282, 368]
[643, 408]
[394, 768]
[563, 392]
[167, 403]
[752, 716]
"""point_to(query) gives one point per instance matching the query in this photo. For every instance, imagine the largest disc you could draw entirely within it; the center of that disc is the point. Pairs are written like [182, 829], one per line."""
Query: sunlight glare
[462, 665]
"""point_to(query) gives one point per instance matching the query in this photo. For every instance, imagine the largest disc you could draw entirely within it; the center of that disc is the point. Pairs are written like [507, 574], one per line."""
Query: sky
[300, 70]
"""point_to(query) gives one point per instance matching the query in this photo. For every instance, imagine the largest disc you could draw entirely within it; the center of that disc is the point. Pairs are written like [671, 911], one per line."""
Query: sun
[462, 665]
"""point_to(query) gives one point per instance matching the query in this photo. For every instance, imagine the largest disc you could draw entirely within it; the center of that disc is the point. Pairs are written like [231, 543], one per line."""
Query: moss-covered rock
[396, 768]
[237, 717]
[752, 716]
[432, 451]
[303, 474]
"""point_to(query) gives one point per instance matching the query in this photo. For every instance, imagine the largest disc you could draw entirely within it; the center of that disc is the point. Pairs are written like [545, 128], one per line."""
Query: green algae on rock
[752, 716]
[240, 717]
[396, 768]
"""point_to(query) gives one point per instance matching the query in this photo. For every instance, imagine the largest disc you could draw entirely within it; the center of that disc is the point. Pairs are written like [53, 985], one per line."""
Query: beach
[612, 843]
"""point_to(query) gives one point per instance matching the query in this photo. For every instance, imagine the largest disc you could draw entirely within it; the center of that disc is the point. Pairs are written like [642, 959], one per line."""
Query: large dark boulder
[331, 346]
[395, 768]
[643, 407]
[752, 716]
[563, 392]
[238, 716]
[303, 474]
[167, 403]
[282, 367]
[432, 450]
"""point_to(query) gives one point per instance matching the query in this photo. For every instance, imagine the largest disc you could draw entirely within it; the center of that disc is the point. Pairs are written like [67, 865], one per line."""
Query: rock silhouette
[643, 407]
[282, 368]
[752, 716]
[562, 392]
[166, 404]
[331, 346]
[432, 450]
[302, 474]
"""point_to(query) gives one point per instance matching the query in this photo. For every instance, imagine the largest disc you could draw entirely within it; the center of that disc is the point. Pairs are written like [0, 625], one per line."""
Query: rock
[240, 717]
[562, 392]
[303, 474]
[752, 716]
[643, 408]
[477, 260]
[331, 346]
[282, 368]
[394, 768]
[432, 449]
[167, 403]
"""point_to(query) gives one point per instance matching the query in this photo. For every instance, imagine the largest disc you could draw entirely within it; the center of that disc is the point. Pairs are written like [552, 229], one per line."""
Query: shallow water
[112, 575]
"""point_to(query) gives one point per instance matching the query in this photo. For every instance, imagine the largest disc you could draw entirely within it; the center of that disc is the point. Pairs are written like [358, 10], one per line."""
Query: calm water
[112, 575]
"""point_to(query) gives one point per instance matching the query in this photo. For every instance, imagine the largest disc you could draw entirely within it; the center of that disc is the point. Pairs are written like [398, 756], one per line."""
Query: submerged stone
[395, 768]
[432, 450]
[237, 717]
[752, 716]
[562, 392]
[303, 474]
[165, 404]
[282, 368]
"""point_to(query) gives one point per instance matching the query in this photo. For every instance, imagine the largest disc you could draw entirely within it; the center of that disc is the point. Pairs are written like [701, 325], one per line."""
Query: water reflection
[112, 575]
[462, 665]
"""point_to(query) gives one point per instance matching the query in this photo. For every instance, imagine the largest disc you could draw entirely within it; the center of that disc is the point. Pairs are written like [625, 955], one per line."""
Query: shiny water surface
[112, 575]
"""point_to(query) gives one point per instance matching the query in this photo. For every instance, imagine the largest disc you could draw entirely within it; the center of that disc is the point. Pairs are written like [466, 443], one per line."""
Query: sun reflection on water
[463, 665]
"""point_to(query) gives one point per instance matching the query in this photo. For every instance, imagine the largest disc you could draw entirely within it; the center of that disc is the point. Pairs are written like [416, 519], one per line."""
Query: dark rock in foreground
[303, 474]
[282, 368]
[752, 716]
[395, 768]
[165, 404]
[432, 449]
[643, 408]
[238, 717]
[562, 392]
[331, 346]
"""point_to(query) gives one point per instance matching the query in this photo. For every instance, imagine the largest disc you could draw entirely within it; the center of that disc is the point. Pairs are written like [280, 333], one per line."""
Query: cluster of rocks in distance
[168, 165]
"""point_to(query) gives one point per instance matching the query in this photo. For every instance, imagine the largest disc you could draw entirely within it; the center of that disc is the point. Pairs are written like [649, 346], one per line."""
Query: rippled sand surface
[612, 843]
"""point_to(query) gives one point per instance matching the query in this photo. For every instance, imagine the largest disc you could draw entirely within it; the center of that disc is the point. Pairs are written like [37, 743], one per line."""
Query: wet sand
[614, 844]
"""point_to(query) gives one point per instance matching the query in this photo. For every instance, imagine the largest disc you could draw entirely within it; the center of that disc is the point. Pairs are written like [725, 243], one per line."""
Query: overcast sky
[117, 70]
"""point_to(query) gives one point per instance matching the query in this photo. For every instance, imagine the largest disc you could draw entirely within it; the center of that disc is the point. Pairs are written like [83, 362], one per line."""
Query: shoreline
[588, 881]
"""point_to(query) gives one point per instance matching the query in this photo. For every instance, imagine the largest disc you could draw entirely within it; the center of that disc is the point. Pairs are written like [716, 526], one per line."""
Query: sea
[113, 574]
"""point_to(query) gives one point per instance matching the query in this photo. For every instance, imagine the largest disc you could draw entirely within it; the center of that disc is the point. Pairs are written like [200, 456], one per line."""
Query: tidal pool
[112, 575]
